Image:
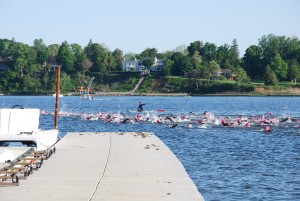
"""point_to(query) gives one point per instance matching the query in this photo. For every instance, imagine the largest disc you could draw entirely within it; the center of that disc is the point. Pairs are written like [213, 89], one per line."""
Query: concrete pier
[122, 166]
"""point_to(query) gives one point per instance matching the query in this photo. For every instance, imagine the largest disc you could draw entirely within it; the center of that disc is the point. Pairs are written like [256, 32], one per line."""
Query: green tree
[234, 55]
[293, 72]
[205, 72]
[148, 56]
[223, 56]
[252, 62]
[208, 52]
[66, 83]
[196, 60]
[88, 50]
[66, 58]
[182, 64]
[77, 51]
[194, 53]
[31, 84]
[291, 50]
[214, 68]
[148, 53]
[241, 76]
[41, 51]
[130, 56]
[117, 55]
[148, 62]
[4, 49]
[270, 45]
[181, 49]
[270, 77]
[194, 47]
[166, 71]
[22, 58]
[20, 64]
[52, 53]
[279, 67]
[86, 63]
[9, 81]
[99, 56]
[45, 81]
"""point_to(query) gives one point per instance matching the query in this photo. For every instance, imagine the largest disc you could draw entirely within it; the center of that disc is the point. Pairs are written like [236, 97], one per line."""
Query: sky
[135, 25]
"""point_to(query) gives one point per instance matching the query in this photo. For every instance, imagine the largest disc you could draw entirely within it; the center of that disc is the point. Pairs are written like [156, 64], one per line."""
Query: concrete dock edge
[108, 166]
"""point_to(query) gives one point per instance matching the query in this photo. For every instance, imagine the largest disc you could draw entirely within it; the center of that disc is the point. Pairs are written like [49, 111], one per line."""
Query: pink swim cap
[267, 128]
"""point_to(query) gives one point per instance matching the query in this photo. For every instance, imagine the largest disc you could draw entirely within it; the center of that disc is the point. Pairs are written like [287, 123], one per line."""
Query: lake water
[226, 163]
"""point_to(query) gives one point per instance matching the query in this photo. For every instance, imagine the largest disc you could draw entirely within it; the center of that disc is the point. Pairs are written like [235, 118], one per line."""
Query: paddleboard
[136, 111]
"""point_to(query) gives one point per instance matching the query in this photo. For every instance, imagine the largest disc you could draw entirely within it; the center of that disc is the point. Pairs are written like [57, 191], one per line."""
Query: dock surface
[108, 166]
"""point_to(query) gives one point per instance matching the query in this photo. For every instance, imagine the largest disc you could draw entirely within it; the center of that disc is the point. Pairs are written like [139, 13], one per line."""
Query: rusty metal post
[57, 96]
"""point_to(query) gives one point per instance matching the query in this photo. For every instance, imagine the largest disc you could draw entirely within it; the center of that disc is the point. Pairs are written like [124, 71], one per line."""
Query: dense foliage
[29, 69]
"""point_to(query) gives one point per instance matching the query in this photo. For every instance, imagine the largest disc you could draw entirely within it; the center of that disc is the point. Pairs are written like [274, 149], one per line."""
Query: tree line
[273, 59]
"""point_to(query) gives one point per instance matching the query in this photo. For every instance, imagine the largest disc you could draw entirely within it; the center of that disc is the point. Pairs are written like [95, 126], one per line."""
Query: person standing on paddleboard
[140, 108]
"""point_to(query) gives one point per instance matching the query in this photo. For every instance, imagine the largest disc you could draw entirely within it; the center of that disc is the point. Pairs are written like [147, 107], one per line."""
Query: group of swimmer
[242, 121]
[192, 120]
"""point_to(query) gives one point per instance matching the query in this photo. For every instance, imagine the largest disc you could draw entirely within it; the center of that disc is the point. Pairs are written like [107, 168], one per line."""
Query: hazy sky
[134, 25]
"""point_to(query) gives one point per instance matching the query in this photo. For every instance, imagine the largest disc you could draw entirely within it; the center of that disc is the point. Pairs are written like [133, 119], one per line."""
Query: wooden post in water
[57, 96]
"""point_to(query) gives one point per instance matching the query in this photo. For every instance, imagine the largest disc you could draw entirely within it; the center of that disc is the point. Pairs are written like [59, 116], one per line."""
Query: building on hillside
[132, 65]
[136, 65]
[225, 73]
[158, 65]
[193, 74]
[228, 74]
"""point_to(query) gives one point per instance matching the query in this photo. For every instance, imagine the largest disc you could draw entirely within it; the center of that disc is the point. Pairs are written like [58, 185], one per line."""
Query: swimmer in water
[224, 123]
[267, 129]
[173, 126]
[239, 121]
[189, 125]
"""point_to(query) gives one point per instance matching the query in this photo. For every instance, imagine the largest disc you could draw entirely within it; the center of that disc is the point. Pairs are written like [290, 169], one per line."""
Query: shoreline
[163, 94]
[173, 95]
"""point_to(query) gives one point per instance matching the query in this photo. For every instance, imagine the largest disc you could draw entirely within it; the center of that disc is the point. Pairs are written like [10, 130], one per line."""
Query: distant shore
[268, 93]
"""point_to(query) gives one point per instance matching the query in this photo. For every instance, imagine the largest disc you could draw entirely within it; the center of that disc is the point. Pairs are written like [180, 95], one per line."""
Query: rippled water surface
[225, 163]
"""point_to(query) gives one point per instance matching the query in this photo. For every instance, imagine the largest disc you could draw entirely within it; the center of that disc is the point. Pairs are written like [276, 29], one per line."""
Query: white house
[136, 65]
[133, 65]
[158, 65]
